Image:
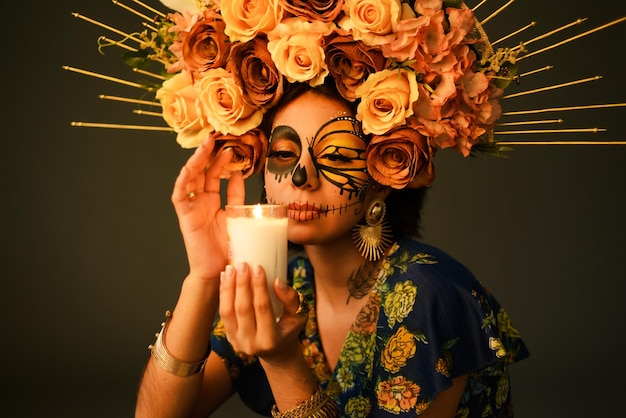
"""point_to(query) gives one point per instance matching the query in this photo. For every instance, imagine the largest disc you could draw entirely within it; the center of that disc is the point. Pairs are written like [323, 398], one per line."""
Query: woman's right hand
[197, 201]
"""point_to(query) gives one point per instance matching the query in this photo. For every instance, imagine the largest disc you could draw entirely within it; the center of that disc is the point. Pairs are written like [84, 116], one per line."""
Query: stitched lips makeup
[304, 212]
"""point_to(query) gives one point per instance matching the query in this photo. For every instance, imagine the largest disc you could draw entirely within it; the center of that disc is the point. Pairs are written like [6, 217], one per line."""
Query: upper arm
[447, 401]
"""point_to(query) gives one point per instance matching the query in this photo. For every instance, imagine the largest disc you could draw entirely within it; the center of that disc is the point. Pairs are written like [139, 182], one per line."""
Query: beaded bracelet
[168, 362]
[320, 405]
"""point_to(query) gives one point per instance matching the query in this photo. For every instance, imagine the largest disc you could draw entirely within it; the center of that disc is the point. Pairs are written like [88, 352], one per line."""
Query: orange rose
[400, 158]
[367, 318]
[351, 62]
[399, 348]
[397, 394]
[387, 98]
[206, 45]
[247, 18]
[181, 112]
[323, 10]
[255, 73]
[248, 151]
[296, 48]
[222, 102]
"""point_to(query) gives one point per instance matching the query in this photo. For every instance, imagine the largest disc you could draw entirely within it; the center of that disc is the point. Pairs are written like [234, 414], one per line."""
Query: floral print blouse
[427, 320]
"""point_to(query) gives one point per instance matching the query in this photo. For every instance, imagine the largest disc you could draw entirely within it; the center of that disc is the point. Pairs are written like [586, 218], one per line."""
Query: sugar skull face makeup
[337, 153]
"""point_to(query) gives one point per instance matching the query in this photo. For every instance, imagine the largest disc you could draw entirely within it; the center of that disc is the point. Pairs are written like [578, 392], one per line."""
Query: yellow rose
[387, 99]
[181, 111]
[358, 407]
[246, 18]
[372, 21]
[399, 303]
[296, 48]
[223, 104]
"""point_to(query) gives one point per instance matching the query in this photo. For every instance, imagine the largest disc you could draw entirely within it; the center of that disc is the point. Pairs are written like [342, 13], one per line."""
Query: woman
[410, 332]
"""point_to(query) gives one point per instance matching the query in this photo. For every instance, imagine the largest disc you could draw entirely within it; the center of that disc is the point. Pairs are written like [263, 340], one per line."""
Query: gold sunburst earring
[373, 238]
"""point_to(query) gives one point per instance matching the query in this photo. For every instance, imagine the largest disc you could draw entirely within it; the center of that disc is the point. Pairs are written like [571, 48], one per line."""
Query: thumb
[295, 303]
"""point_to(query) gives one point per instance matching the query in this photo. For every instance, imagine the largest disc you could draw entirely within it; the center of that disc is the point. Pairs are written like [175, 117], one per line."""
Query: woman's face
[316, 165]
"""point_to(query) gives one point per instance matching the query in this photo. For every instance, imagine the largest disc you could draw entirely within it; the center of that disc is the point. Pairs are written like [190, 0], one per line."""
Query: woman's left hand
[248, 318]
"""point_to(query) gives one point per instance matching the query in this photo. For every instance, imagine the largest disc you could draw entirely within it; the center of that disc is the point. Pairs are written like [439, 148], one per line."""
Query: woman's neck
[342, 275]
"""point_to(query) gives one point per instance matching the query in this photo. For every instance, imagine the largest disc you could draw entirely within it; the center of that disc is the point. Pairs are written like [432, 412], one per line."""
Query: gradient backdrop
[92, 256]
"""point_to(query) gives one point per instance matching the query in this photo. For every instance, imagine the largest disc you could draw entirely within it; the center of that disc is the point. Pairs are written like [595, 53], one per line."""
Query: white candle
[257, 234]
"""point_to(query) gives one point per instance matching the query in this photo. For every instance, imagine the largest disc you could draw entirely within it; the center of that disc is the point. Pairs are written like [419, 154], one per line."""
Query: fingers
[236, 192]
[246, 309]
[200, 175]
[244, 299]
[296, 305]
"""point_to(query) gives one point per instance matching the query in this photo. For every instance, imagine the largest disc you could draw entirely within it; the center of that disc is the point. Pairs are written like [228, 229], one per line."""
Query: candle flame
[258, 212]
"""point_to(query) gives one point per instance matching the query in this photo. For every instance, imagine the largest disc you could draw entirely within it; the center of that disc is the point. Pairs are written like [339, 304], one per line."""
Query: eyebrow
[285, 131]
[356, 125]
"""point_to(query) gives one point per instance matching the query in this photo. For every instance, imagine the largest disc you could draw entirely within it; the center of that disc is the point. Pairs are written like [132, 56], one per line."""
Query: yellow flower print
[399, 348]
[345, 378]
[356, 349]
[442, 367]
[399, 302]
[462, 412]
[422, 406]
[219, 331]
[299, 272]
[502, 392]
[496, 345]
[358, 407]
[505, 324]
[397, 394]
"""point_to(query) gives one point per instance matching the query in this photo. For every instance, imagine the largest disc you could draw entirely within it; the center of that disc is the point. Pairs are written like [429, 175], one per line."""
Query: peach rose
[372, 21]
[206, 45]
[401, 158]
[323, 10]
[221, 100]
[407, 38]
[183, 22]
[249, 151]
[296, 48]
[181, 112]
[351, 62]
[387, 98]
[245, 19]
[256, 73]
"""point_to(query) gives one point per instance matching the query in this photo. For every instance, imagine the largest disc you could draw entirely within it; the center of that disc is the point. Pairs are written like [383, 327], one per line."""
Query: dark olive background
[92, 256]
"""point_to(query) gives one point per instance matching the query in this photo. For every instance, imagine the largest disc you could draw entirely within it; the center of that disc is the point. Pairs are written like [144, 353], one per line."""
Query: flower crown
[422, 74]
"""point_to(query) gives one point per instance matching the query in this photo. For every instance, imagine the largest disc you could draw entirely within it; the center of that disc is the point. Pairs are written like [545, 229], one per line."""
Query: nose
[305, 174]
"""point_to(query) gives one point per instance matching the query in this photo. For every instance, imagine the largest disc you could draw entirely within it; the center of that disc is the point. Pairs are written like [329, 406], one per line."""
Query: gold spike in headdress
[221, 45]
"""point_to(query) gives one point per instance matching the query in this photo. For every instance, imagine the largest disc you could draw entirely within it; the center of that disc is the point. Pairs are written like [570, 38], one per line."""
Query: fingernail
[256, 269]
[228, 273]
[281, 283]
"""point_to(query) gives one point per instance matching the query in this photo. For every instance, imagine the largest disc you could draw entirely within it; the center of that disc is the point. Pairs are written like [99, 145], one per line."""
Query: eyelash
[336, 157]
[281, 154]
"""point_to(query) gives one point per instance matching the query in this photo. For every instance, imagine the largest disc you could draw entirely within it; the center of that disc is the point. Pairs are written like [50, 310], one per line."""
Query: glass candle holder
[257, 234]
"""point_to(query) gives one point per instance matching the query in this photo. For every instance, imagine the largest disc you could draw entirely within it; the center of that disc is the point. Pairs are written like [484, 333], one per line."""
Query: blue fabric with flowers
[427, 320]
